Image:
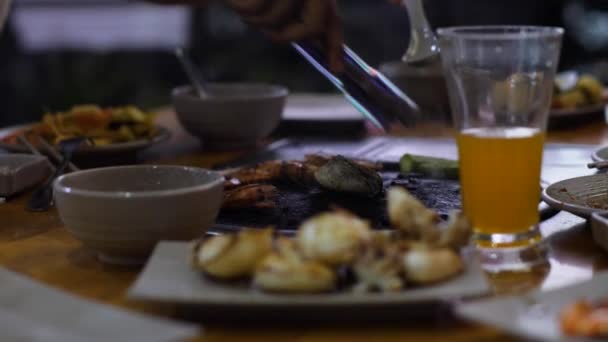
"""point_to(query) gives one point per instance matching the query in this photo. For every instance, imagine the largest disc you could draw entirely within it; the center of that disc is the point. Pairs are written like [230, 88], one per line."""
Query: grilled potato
[231, 256]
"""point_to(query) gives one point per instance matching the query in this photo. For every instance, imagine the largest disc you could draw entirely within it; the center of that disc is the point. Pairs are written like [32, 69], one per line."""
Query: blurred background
[56, 53]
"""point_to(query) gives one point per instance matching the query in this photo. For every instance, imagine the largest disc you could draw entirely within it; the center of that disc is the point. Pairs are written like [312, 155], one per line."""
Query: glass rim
[500, 32]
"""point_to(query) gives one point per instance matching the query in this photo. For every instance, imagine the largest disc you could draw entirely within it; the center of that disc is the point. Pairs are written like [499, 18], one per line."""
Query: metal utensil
[23, 141]
[192, 72]
[42, 198]
[371, 93]
[423, 46]
[55, 153]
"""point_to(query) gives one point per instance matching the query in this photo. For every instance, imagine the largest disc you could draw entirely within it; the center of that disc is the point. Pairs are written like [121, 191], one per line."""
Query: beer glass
[500, 83]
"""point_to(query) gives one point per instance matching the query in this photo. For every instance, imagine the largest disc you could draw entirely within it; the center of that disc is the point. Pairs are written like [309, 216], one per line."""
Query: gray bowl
[122, 212]
[235, 115]
[426, 85]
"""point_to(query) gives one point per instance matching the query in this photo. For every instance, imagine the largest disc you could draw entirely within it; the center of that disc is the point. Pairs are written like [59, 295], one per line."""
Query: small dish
[235, 115]
[119, 153]
[581, 196]
[536, 315]
[122, 212]
[21, 171]
[599, 229]
[577, 98]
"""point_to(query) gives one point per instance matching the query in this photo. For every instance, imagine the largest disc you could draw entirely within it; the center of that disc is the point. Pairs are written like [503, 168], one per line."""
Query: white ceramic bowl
[235, 115]
[122, 212]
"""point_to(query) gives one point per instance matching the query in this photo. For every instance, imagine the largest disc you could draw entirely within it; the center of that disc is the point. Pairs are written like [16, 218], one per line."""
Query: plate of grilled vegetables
[336, 263]
[110, 130]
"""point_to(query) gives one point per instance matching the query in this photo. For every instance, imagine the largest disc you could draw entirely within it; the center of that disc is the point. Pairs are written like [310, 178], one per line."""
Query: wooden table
[37, 245]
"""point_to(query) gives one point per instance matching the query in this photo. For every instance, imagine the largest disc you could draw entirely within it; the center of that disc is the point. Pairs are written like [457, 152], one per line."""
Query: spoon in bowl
[192, 72]
[423, 45]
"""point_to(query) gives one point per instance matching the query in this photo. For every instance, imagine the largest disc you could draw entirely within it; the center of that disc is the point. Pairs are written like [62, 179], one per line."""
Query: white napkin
[320, 107]
[32, 312]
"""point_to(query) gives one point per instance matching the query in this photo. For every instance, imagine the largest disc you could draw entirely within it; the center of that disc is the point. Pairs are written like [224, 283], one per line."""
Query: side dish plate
[581, 196]
[162, 134]
[536, 315]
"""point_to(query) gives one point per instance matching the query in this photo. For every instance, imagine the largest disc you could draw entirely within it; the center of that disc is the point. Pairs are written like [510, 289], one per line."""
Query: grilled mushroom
[343, 175]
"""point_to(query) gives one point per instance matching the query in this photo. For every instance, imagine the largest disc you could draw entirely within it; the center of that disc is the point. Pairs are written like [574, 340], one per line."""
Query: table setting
[234, 213]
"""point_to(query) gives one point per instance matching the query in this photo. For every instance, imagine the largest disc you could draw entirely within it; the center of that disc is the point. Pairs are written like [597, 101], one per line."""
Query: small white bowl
[235, 115]
[122, 212]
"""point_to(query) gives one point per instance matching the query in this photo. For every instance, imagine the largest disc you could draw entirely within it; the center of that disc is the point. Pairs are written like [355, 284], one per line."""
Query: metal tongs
[371, 93]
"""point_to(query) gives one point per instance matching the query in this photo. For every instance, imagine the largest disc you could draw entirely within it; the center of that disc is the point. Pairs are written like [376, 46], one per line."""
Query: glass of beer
[500, 83]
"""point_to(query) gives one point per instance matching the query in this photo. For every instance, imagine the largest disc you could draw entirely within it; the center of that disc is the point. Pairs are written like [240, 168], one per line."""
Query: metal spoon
[42, 198]
[423, 45]
[192, 73]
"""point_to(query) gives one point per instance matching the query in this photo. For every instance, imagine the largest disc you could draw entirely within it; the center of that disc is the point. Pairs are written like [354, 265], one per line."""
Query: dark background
[55, 79]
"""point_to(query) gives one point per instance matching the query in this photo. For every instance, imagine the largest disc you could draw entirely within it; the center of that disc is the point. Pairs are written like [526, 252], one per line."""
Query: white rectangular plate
[168, 277]
[535, 315]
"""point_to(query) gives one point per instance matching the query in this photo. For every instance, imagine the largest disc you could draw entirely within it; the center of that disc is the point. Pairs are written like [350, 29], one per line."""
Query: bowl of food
[234, 115]
[116, 133]
[577, 99]
[122, 212]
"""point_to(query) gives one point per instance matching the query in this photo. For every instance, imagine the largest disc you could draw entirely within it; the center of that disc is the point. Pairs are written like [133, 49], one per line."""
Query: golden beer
[500, 174]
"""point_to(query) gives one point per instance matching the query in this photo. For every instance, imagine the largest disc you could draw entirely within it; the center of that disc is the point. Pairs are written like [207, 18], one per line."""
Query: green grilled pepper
[429, 166]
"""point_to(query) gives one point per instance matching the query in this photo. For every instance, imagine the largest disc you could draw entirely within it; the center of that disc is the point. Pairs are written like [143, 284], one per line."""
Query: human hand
[293, 20]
